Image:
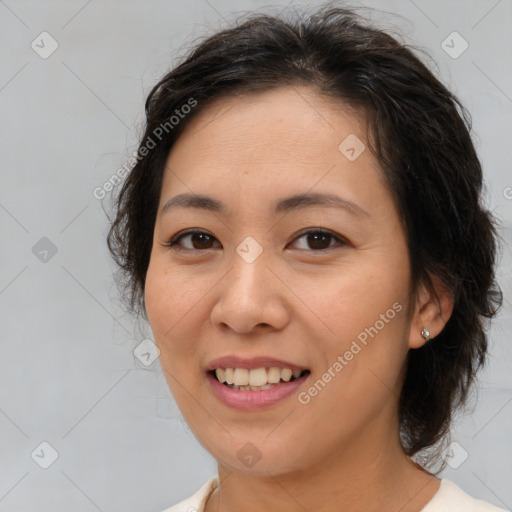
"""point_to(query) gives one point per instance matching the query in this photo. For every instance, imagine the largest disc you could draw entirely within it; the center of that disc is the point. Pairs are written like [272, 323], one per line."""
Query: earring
[425, 334]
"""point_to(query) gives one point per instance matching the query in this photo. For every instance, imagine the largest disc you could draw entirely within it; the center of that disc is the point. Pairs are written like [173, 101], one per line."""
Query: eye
[319, 239]
[200, 240]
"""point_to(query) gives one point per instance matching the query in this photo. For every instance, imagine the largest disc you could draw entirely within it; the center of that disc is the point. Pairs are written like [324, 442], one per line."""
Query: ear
[432, 310]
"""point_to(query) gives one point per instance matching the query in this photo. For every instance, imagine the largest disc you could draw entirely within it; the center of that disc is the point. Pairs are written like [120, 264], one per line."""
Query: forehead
[288, 122]
[272, 144]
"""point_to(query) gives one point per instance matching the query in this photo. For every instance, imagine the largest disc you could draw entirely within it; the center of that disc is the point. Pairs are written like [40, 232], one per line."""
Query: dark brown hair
[418, 131]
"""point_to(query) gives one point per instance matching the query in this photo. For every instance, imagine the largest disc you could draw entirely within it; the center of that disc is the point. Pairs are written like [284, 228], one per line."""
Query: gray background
[68, 373]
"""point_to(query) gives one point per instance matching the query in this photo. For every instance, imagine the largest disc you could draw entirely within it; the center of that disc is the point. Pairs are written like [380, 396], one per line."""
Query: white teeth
[241, 377]
[258, 377]
[274, 375]
[255, 379]
[286, 374]
[229, 374]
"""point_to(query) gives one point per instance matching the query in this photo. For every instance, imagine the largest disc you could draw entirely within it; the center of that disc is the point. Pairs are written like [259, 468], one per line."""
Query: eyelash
[174, 241]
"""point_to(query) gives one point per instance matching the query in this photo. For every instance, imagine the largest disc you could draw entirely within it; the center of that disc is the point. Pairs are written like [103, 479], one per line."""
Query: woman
[303, 231]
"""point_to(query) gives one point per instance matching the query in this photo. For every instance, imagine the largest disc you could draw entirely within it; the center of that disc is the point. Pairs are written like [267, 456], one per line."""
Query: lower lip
[253, 399]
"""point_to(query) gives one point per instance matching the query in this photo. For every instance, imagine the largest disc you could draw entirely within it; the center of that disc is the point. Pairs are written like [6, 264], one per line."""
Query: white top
[448, 498]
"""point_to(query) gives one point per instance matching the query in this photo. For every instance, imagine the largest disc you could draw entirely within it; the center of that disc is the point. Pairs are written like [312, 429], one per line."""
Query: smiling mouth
[258, 379]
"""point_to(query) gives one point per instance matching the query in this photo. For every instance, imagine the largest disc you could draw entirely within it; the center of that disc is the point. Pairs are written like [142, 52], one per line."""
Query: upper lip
[251, 364]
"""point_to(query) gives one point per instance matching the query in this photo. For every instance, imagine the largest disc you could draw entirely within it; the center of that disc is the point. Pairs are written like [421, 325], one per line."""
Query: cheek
[164, 309]
[169, 298]
[172, 302]
[355, 299]
[156, 299]
[359, 383]
[366, 316]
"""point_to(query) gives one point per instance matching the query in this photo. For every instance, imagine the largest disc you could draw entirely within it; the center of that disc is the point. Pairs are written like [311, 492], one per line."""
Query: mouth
[256, 379]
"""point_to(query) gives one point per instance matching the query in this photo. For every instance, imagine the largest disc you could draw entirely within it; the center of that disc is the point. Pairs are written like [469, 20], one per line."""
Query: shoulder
[195, 503]
[451, 498]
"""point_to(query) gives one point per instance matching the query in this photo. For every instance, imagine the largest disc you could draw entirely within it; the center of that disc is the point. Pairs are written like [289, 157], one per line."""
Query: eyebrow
[287, 204]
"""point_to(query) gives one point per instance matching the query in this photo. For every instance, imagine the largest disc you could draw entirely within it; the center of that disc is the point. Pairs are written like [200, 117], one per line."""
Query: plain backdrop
[85, 425]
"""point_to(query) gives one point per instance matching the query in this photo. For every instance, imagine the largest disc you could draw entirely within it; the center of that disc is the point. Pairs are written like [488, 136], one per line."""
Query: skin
[294, 302]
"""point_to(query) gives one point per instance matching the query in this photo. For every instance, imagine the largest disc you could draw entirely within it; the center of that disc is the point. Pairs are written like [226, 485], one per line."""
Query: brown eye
[319, 240]
[198, 240]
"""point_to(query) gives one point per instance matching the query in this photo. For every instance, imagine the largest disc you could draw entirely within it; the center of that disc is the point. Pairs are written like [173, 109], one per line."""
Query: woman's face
[261, 288]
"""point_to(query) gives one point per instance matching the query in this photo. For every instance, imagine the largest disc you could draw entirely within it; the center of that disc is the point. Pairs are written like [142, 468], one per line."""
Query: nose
[251, 297]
